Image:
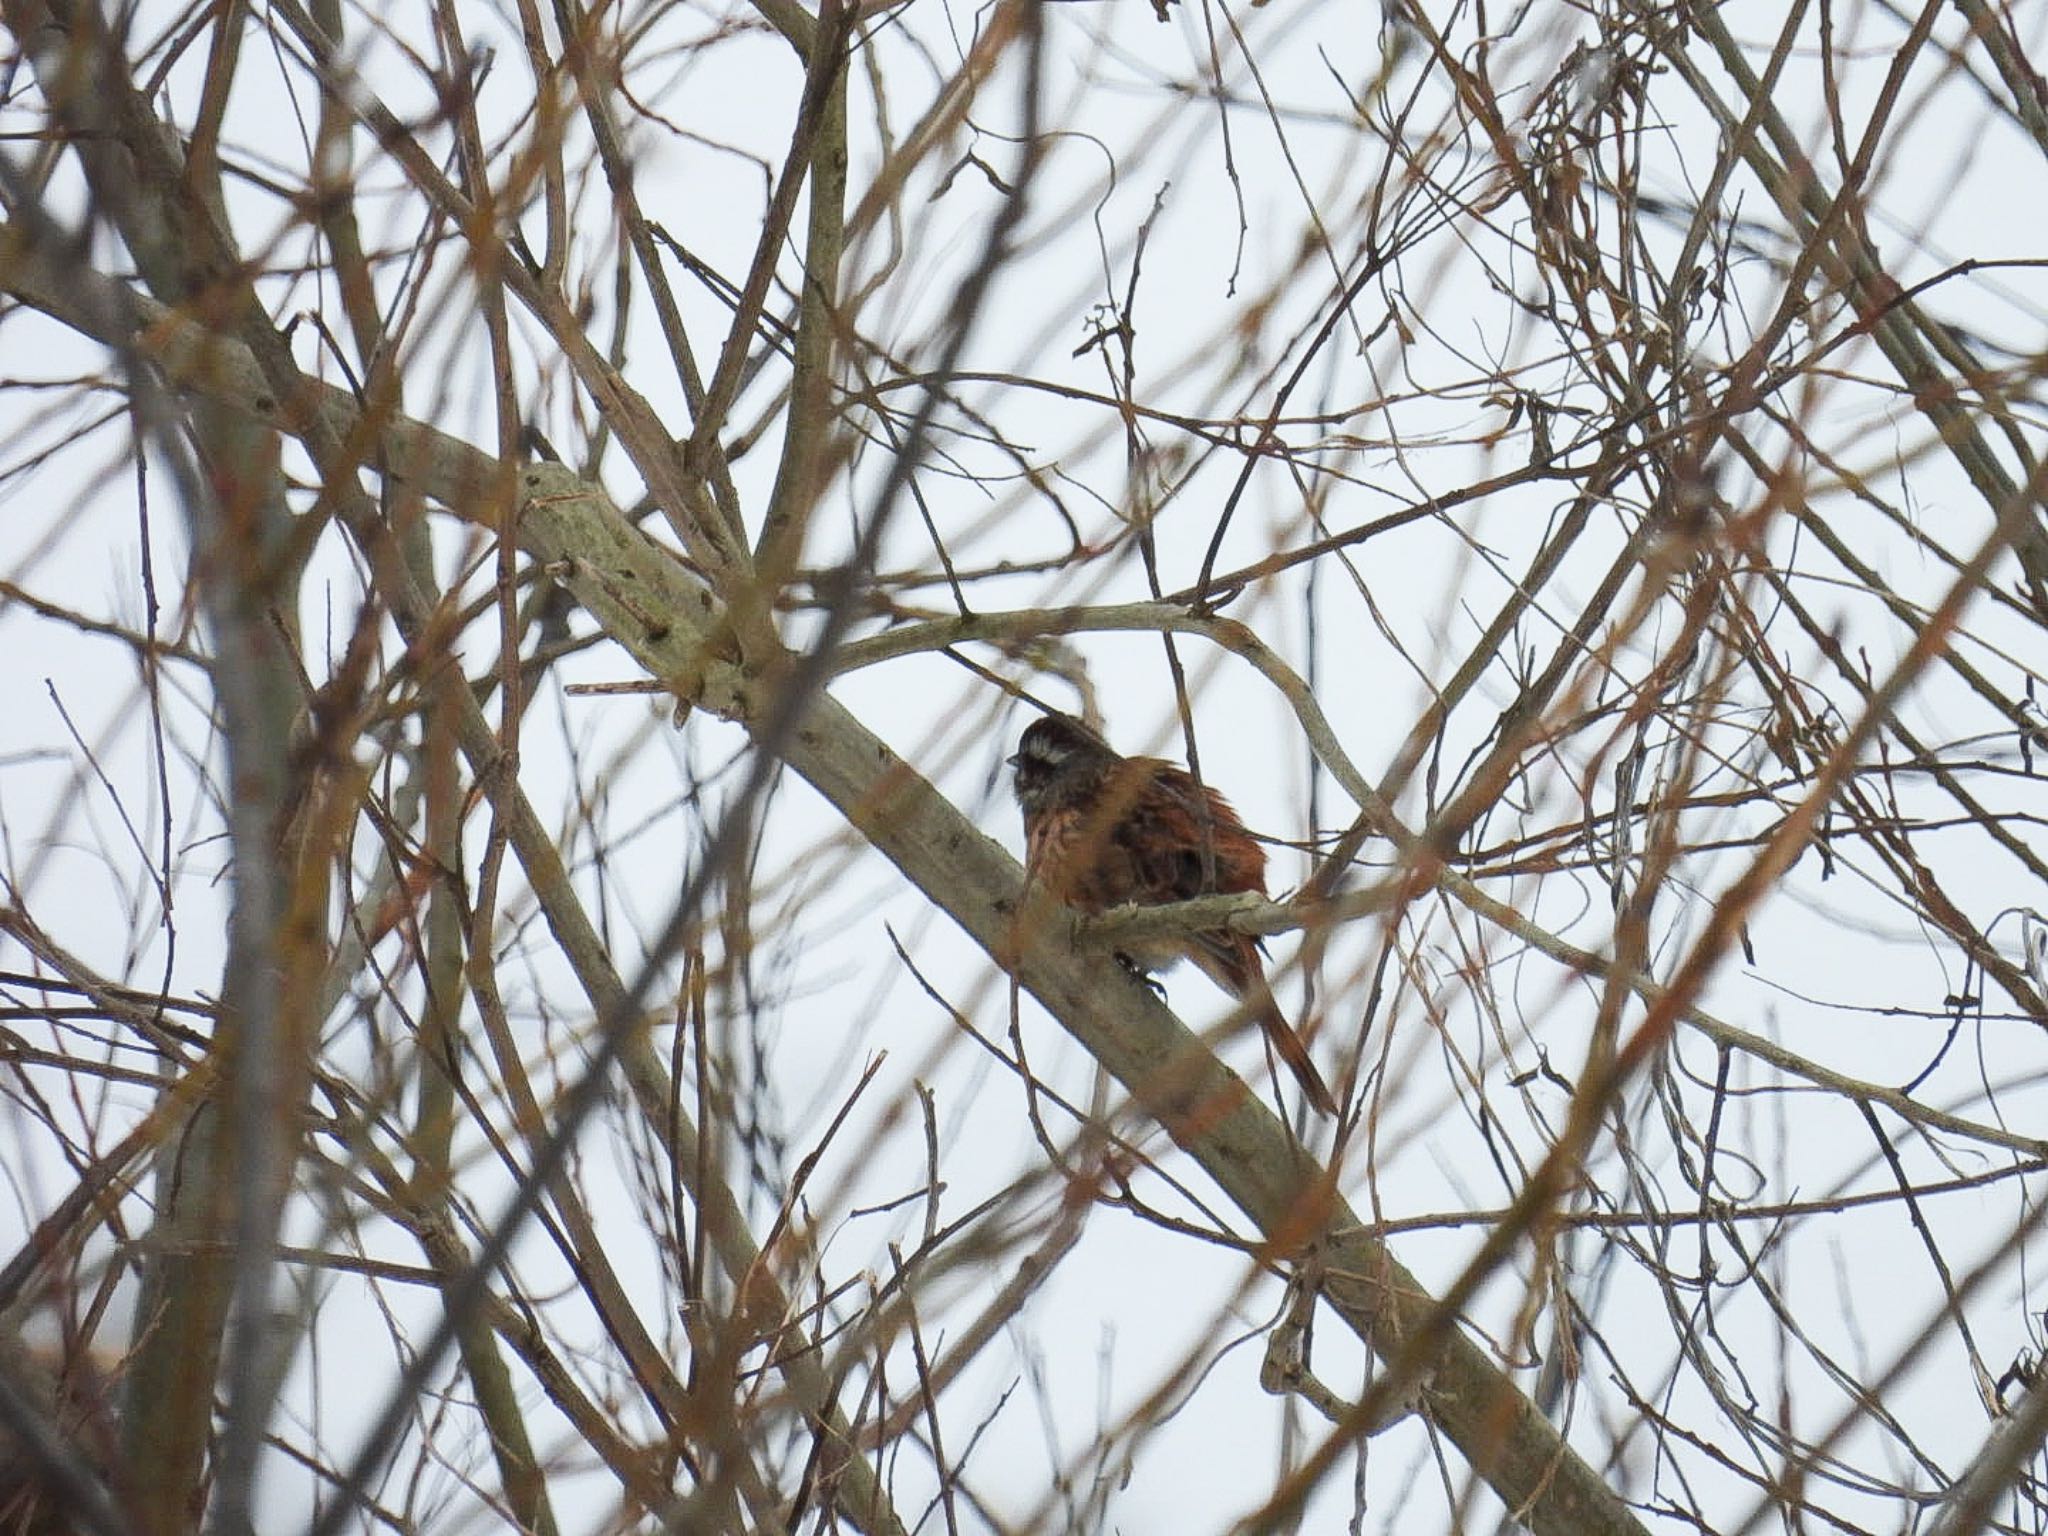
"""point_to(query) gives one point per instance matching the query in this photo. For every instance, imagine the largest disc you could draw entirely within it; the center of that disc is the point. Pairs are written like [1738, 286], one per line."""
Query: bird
[1103, 830]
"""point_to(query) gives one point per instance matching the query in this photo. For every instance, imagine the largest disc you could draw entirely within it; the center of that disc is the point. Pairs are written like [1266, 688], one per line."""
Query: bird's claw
[1144, 977]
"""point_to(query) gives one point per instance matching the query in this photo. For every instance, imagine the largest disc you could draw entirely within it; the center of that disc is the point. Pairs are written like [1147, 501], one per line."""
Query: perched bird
[1102, 830]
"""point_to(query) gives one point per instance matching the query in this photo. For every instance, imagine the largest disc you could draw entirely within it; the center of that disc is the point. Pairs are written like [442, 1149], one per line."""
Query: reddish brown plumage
[1102, 830]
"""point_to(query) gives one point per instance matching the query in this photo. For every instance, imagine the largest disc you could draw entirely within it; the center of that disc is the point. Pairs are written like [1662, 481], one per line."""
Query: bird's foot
[1138, 973]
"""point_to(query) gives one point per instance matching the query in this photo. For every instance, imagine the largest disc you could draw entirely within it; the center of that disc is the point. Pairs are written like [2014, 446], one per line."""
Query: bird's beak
[1013, 759]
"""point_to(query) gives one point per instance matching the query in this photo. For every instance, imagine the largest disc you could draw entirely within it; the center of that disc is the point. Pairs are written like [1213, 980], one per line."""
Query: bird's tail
[1294, 1051]
[1232, 962]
